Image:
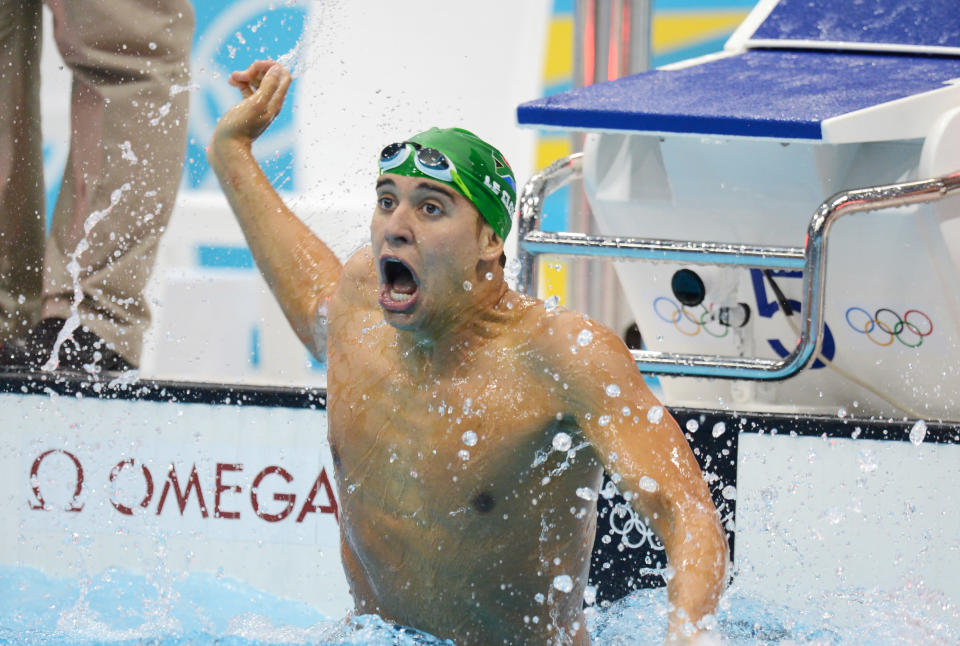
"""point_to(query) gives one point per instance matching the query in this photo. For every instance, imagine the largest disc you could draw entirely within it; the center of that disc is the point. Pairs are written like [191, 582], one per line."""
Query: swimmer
[469, 431]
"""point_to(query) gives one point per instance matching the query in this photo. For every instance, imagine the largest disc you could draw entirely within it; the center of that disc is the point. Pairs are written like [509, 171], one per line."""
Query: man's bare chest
[430, 449]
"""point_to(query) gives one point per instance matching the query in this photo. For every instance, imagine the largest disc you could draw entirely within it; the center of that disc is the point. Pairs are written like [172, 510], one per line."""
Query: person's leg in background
[129, 106]
[21, 167]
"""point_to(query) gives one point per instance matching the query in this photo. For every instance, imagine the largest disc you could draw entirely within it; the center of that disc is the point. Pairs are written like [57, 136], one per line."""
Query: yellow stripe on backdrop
[558, 62]
[681, 29]
[557, 73]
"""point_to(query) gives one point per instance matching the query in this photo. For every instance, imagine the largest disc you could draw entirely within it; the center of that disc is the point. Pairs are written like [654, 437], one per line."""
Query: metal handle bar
[812, 259]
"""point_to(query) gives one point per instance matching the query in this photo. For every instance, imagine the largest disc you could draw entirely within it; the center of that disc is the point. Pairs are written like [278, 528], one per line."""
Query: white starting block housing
[742, 147]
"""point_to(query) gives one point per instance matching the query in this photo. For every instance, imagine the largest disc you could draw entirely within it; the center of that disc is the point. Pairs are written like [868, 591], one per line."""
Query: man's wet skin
[451, 520]
[446, 393]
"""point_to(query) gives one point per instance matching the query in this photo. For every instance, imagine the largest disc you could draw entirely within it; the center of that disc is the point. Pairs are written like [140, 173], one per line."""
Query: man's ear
[491, 245]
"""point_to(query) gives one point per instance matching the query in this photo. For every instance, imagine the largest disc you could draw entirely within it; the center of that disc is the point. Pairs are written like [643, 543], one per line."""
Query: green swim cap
[465, 163]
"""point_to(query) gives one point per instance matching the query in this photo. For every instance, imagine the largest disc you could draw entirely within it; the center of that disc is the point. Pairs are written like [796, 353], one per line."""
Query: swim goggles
[429, 161]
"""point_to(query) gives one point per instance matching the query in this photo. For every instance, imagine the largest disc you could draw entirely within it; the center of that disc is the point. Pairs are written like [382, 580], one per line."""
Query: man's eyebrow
[383, 181]
[423, 186]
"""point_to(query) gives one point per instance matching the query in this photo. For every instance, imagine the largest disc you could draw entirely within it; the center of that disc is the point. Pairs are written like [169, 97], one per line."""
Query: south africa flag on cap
[503, 170]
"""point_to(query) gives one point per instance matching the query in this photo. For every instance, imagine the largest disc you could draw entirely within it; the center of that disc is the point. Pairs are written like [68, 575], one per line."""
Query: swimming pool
[190, 514]
[170, 608]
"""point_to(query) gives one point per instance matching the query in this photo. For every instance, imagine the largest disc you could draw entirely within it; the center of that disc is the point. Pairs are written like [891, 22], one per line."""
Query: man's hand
[264, 87]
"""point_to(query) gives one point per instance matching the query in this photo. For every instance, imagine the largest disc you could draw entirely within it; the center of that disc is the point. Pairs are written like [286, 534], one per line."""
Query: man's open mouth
[399, 285]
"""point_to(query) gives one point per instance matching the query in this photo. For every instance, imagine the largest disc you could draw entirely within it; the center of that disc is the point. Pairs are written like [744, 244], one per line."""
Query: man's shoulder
[560, 335]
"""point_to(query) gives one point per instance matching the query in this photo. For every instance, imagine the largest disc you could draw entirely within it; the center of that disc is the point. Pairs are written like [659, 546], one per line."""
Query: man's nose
[398, 230]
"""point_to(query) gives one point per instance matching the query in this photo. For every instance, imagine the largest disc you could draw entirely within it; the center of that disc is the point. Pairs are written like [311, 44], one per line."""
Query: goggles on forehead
[429, 161]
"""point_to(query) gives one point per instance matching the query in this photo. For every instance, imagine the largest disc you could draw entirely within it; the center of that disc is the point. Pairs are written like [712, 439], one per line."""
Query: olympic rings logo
[688, 323]
[910, 329]
[625, 521]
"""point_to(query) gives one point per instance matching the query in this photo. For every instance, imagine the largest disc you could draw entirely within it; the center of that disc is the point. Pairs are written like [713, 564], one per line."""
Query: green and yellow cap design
[463, 161]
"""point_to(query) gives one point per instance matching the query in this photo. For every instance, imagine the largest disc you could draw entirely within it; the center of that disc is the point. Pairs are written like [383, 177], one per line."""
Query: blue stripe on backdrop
[224, 257]
[255, 347]
[555, 207]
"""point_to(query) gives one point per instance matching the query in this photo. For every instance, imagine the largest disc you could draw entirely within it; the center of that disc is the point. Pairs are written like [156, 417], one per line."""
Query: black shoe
[83, 351]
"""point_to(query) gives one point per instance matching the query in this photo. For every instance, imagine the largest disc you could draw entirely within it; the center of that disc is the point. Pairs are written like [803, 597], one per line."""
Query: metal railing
[811, 259]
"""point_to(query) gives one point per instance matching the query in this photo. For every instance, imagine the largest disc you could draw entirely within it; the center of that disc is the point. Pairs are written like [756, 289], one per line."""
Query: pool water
[115, 607]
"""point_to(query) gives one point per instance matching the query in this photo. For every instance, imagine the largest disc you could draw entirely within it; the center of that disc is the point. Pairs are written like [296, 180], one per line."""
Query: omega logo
[228, 487]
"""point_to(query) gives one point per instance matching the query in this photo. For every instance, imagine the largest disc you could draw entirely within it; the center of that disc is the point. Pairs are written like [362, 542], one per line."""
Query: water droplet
[584, 338]
[655, 414]
[562, 442]
[719, 429]
[512, 270]
[463, 454]
[563, 583]
[488, 275]
[648, 484]
[918, 432]
[868, 461]
[730, 492]
[551, 303]
[841, 412]
[590, 595]
[604, 420]
[613, 390]
[467, 285]
[586, 493]
[469, 438]
[625, 411]
[669, 572]
[539, 598]
[692, 425]
[609, 491]
[152, 45]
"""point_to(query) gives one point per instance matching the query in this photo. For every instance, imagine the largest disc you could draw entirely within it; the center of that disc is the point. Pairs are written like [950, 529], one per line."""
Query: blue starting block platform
[929, 26]
[825, 71]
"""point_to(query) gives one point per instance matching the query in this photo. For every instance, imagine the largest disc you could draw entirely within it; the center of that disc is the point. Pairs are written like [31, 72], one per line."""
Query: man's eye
[432, 209]
[385, 202]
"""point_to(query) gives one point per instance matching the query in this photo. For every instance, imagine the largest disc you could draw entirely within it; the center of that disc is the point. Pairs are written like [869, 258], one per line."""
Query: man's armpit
[359, 282]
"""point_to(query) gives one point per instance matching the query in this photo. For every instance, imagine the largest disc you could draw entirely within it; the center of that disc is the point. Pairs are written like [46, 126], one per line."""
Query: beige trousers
[129, 104]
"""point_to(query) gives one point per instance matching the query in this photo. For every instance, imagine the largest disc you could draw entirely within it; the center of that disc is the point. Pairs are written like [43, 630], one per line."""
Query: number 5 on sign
[767, 307]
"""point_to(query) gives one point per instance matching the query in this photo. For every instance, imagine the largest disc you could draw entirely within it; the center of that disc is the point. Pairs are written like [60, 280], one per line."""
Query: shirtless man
[464, 417]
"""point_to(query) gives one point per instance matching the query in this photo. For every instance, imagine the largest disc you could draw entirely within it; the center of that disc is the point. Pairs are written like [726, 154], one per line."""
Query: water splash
[562, 442]
[918, 432]
[655, 414]
[37, 609]
[512, 272]
[563, 583]
[73, 267]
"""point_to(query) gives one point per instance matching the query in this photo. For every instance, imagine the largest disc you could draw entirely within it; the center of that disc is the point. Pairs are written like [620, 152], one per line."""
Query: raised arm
[658, 472]
[300, 269]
